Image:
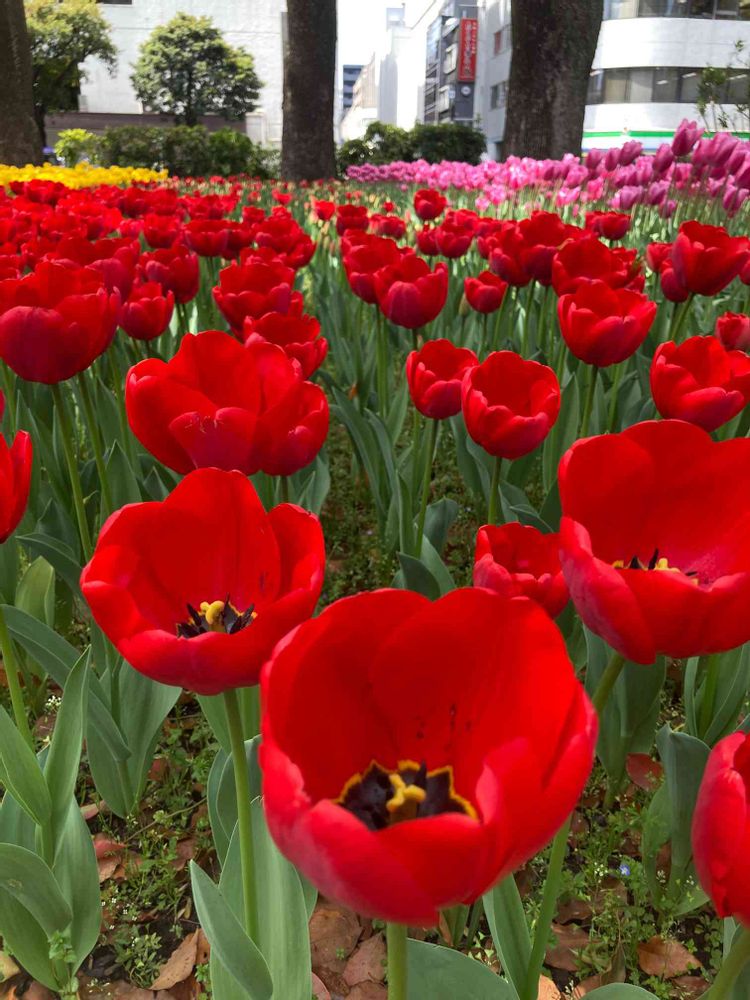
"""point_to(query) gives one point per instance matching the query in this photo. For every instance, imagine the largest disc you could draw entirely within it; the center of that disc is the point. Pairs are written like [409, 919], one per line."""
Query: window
[498, 42]
[689, 80]
[666, 84]
[596, 87]
[738, 87]
[450, 58]
[615, 86]
[616, 9]
[715, 9]
[495, 95]
[641, 86]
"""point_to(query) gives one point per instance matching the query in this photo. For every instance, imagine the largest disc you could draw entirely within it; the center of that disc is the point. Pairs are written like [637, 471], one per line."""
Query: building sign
[467, 50]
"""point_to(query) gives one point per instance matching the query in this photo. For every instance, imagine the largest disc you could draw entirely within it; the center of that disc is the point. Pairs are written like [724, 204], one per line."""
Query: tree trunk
[554, 42]
[307, 151]
[19, 136]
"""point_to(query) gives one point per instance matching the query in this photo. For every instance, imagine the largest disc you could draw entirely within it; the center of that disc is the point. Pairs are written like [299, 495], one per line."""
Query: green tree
[62, 34]
[724, 93]
[186, 69]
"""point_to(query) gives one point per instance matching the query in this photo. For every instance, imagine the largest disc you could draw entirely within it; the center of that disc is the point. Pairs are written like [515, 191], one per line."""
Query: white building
[646, 69]
[255, 25]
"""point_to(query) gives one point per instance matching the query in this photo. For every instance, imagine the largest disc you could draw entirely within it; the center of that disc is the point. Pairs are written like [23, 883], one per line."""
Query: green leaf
[61, 767]
[21, 772]
[222, 798]
[620, 991]
[29, 880]
[77, 874]
[24, 938]
[36, 591]
[563, 433]
[509, 929]
[234, 949]
[438, 521]
[444, 974]
[58, 554]
[414, 575]
[123, 481]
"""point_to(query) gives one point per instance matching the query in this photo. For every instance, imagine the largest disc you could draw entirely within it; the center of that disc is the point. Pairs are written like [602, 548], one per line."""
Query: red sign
[467, 50]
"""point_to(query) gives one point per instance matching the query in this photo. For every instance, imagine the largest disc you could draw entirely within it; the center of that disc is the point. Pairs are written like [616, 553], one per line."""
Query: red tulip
[114, 259]
[409, 293]
[55, 321]
[427, 241]
[654, 544]
[364, 259]
[15, 479]
[207, 237]
[299, 335]
[586, 259]
[389, 225]
[517, 560]
[196, 590]
[219, 403]
[610, 225]
[706, 258]
[435, 373]
[603, 326]
[351, 217]
[429, 204]
[176, 269]
[721, 828]
[147, 312]
[510, 404]
[700, 381]
[733, 330]
[161, 231]
[520, 252]
[253, 290]
[453, 240]
[414, 753]
[323, 209]
[486, 292]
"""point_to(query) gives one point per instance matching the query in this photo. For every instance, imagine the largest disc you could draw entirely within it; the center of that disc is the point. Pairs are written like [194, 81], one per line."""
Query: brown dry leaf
[203, 948]
[127, 991]
[570, 940]
[38, 992]
[548, 990]
[575, 909]
[104, 846]
[334, 932]
[8, 967]
[690, 987]
[444, 930]
[319, 990]
[90, 811]
[185, 853]
[644, 771]
[367, 963]
[665, 958]
[368, 991]
[609, 886]
[579, 826]
[179, 965]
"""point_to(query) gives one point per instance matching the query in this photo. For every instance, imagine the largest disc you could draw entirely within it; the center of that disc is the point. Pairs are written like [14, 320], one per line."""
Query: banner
[467, 50]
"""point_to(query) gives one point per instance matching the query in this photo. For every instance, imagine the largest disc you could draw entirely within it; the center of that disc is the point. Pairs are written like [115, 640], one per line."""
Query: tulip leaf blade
[21, 773]
[57, 554]
[61, 765]
[237, 953]
[26, 877]
[620, 991]
[443, 974]
[509, 929]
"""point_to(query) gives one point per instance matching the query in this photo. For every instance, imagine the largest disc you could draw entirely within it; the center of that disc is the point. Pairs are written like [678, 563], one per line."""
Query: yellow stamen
[212, 612]
[405, 797]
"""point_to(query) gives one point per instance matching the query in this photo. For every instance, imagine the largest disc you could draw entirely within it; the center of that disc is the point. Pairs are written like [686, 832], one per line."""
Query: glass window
[744, 10]
[615, 86]
[641, 85]
[666, 84]
[689, 80]
[738, 87]
[495, 95]
[616, 9]
[701, 8]
[498, 41]
[596, 85]
[727, 8]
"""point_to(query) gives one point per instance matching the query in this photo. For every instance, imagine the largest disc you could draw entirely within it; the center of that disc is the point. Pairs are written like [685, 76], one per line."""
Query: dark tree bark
[307, 150]
[553, 47]
[19, 136]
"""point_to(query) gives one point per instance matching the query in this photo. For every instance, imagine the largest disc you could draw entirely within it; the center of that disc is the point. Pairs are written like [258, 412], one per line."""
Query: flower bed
[362, 539]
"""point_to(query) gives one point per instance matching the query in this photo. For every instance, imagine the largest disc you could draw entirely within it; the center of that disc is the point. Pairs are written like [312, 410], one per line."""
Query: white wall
[668, 41]
[253, 24]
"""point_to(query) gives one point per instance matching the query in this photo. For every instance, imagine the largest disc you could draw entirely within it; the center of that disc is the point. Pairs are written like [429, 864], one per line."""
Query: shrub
[188, 151]
[76, 144]
[385, 143]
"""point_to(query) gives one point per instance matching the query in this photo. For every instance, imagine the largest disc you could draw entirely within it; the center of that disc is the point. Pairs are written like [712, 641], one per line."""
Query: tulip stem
[739, 955]
[66, 433]
[613, 398]
[284, 488]
[381, 346]
[12, 672]
[244, 812]
[426, 481]
[96, 441]
[494, 492]
[546, 912]
[397, 970]
[607, 681]
[526, 317]
[589, 402]
[708, 699]
[679, 316]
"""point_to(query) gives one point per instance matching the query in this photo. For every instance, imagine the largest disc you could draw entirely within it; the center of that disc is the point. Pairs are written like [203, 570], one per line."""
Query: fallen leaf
[444, 930]
[319, 990]
[644, 771]
[579, 826]
[127, 991]
[203, 948]
[185, 853]
[104, 846]
[179, 965]
[690, 987]
[90, 811]
[575, 909]
[8, 967]
[334, 932]
[368, 991]
[665, 958]
[367, 962]
[569, 940]
[548, 990]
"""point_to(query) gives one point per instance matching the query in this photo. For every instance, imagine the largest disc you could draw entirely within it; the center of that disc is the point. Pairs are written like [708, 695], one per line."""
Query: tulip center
[380, 798]
[656, 562]
[215, 616]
